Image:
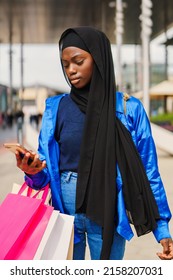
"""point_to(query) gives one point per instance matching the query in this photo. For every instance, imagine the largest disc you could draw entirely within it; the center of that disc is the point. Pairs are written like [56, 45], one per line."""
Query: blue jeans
[85, 227]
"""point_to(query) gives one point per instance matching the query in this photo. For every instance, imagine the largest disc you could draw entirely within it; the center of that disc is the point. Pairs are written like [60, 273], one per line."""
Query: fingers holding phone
[29, 162]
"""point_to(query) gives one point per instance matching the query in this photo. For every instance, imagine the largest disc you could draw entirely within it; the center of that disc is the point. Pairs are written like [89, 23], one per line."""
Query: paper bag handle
[45, 191]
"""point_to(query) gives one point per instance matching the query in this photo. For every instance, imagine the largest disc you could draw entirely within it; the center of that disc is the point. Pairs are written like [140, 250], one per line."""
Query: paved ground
[143, 248]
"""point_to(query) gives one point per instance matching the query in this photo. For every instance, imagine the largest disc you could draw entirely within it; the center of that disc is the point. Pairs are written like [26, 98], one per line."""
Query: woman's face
[78, 65]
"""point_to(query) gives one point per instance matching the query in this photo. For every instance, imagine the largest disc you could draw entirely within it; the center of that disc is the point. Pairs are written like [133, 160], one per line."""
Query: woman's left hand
[167, 253]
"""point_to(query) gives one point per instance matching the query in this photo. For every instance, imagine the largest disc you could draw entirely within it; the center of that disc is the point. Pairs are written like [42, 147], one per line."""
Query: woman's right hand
[34, 167]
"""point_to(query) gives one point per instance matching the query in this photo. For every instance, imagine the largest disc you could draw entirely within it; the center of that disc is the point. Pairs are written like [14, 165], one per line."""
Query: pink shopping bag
[23, 220]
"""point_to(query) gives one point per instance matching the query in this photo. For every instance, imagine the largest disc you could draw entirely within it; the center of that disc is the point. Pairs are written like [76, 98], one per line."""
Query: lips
[75, 81]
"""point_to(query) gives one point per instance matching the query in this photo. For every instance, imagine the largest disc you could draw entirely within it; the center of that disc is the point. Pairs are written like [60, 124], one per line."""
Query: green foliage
[163, 118]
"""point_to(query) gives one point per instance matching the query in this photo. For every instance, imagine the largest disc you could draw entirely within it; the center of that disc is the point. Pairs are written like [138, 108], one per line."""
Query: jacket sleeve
[37, 181]
[147, 150]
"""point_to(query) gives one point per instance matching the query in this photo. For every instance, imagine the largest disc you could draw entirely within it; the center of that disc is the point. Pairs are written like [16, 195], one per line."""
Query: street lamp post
[119, 30]
[146, 25]
[119, 39]
[10, 102]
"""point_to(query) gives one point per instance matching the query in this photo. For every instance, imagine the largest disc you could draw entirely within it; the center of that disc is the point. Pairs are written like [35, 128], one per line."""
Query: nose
[72, 69]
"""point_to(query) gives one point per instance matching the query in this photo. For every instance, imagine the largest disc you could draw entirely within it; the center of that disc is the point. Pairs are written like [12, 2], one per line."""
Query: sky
[42, 64]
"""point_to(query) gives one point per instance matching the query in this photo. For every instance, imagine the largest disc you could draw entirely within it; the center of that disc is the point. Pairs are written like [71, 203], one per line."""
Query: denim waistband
[69, 174]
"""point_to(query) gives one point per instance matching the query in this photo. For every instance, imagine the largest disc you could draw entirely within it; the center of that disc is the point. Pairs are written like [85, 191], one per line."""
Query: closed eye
[65, 65]
[80, 62]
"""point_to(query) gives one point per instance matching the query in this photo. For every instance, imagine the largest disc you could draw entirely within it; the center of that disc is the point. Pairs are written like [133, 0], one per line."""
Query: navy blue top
[68, 133]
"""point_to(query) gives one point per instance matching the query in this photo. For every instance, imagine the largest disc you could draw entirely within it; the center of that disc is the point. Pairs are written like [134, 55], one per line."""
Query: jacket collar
[119, 101]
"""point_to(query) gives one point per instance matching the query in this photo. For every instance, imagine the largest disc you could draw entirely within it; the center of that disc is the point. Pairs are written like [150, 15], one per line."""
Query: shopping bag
[23, 220]
[57, 241]
[24, 191]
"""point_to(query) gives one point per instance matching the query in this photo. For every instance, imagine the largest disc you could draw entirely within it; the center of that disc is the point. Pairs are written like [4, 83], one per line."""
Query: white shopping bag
[57, 241]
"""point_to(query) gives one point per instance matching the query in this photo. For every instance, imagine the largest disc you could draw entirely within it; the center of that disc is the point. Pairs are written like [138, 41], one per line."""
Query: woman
[98, 154]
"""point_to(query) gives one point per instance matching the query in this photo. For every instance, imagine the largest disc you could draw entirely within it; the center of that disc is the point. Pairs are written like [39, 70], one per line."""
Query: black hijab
[96, 184]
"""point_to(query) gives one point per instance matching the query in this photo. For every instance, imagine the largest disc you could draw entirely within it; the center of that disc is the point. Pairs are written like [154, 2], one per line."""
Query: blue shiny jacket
[136, 121]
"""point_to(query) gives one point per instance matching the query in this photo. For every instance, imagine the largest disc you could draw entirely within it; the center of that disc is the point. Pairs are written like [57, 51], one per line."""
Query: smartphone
[13, 147]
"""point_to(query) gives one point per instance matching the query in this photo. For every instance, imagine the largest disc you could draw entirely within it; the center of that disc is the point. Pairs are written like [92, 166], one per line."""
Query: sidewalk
[143, 248]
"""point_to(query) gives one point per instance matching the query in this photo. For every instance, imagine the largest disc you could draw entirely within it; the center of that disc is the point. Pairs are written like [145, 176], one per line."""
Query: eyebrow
[76, 55]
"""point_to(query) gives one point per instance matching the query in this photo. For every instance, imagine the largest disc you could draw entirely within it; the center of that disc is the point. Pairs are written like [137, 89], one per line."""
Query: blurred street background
[141, 36]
